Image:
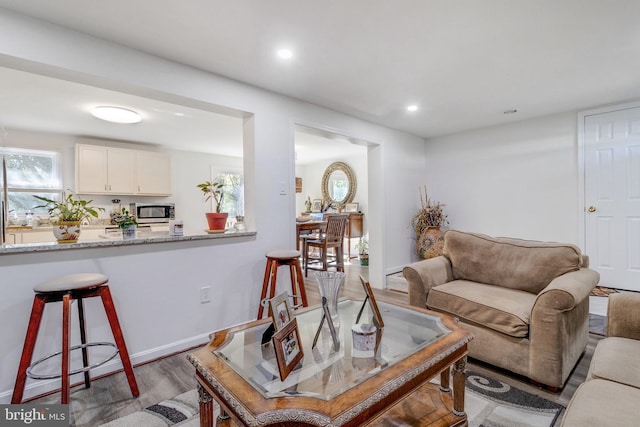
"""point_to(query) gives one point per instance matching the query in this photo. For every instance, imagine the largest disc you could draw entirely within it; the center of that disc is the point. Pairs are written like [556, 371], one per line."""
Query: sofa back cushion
[513, 263]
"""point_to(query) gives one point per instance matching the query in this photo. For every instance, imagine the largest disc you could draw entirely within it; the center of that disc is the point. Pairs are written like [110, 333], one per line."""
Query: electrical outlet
[205, 294]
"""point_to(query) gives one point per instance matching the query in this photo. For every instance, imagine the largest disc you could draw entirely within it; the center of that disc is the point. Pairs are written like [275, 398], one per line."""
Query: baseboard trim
[38, 388]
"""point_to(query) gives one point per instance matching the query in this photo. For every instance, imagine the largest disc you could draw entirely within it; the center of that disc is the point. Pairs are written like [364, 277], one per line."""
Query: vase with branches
[427, 224]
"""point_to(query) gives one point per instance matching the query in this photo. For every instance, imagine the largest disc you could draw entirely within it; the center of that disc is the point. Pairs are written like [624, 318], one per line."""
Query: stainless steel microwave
[153, 212]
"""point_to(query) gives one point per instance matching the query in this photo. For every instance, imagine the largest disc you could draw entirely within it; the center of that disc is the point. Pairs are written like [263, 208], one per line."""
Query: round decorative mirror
[338, 184]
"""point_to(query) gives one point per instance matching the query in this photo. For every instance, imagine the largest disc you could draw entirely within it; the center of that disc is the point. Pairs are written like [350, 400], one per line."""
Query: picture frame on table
[280, 311]
[351, 207]
[316, 205]
[370, 298]
[288, 348]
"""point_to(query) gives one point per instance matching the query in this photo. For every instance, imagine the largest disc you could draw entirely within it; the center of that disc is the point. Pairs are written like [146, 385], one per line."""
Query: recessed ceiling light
[116, 114]
[412, 108]
[285, 53]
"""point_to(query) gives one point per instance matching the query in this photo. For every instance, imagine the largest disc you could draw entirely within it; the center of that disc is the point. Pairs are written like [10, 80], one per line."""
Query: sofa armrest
[559, 326]
[623, 315]
[568, 290]
[423, 275]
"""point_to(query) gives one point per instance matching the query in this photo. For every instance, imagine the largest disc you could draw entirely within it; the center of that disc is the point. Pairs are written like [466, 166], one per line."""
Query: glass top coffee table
[329, 386]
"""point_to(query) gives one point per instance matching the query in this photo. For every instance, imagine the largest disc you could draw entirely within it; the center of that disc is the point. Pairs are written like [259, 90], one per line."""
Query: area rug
[491, 403]
[181, 410]
[488, 403]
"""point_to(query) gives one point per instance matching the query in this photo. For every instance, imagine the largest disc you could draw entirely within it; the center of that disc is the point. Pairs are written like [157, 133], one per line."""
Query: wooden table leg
[459, 379]
[444, 380]
[206, 407]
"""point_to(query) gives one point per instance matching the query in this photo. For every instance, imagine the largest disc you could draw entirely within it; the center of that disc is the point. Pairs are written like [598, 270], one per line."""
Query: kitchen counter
[142, 239]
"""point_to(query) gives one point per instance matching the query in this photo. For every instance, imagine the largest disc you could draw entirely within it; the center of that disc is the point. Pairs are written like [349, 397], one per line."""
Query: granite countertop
[143, 238]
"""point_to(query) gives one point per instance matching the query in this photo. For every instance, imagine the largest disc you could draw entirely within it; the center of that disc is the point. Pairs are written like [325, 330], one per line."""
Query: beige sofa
[525, 302]
[610, 396]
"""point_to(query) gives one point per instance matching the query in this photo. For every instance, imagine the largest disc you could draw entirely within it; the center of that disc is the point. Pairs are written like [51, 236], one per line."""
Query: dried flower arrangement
[430, 215]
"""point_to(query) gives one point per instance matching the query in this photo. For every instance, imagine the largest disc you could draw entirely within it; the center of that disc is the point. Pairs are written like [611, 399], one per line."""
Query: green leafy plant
[69, 209]
[213, 189]
[125, 219]
[362, 246]
[429, 215]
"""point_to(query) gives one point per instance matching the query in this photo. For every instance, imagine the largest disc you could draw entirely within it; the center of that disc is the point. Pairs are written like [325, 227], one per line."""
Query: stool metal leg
[265, 286]
[66, 326]
[110, 310]
[29, 344]
[83, 341]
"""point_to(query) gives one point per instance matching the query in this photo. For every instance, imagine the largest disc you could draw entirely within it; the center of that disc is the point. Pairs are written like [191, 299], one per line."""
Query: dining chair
[331, 238]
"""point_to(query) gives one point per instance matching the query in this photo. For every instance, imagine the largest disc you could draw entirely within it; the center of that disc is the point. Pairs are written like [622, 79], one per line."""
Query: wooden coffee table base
[430, 405]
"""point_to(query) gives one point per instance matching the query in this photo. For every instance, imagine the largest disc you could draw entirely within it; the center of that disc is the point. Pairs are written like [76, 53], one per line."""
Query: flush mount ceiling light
[412, 108]
[285, 53]
[116, 114]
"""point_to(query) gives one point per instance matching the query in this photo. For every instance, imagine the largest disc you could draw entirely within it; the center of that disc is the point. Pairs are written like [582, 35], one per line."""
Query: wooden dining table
[311, 226]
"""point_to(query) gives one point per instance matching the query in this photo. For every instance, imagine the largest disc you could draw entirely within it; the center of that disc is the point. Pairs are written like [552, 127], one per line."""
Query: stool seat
[277, 258]
[72, 282]
[66, 289]
[283, 254]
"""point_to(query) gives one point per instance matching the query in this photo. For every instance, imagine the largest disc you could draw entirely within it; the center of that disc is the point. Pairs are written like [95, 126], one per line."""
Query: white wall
[157, 287]
[517, 180]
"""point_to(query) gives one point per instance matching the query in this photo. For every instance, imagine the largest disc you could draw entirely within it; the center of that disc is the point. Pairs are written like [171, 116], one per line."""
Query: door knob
[591, 209]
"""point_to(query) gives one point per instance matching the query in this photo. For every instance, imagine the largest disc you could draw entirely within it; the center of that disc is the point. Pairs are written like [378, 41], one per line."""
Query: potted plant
[217, 220]
[427, 224]
[127, 223]
[66, 216]
[363, 251]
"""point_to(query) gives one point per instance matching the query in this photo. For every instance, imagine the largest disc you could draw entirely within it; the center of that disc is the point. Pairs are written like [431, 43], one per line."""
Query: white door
[612, 196]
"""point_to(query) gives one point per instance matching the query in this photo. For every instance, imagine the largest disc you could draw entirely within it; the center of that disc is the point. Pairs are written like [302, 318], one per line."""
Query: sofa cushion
[616, 359]
[501, 309]
[602, 403]
[513, 263]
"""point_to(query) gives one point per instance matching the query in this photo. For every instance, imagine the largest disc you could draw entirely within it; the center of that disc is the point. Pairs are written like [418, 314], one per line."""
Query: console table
[354, 229]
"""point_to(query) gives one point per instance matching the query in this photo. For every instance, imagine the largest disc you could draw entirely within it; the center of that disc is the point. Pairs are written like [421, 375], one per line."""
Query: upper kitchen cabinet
[153, 172]
[104, 170]
[118, 171]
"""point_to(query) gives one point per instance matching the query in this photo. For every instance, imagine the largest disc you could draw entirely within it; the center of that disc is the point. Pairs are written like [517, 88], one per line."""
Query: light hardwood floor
[109, 397]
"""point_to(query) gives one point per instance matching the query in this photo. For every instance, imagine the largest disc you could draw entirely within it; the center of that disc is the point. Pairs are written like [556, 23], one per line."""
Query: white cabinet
[153, 173]
[104, 170]
[91, 169]
[119, 171]
[90, 234]
[37, 236]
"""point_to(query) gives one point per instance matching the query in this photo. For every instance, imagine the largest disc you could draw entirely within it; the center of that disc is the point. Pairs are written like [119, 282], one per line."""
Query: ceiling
[463, 62]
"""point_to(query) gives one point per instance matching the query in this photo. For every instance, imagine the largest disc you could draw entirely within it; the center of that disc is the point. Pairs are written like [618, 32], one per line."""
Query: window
[233, 191]
[29, 173]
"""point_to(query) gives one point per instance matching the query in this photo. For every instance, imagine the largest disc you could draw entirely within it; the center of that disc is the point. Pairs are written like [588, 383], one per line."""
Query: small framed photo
[280, 311]
[351, 207]
[316, 206]
[377, 317]
[288, 347]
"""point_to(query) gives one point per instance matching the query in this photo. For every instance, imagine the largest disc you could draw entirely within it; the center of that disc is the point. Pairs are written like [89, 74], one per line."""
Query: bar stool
[275, 259]
[66, 289]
